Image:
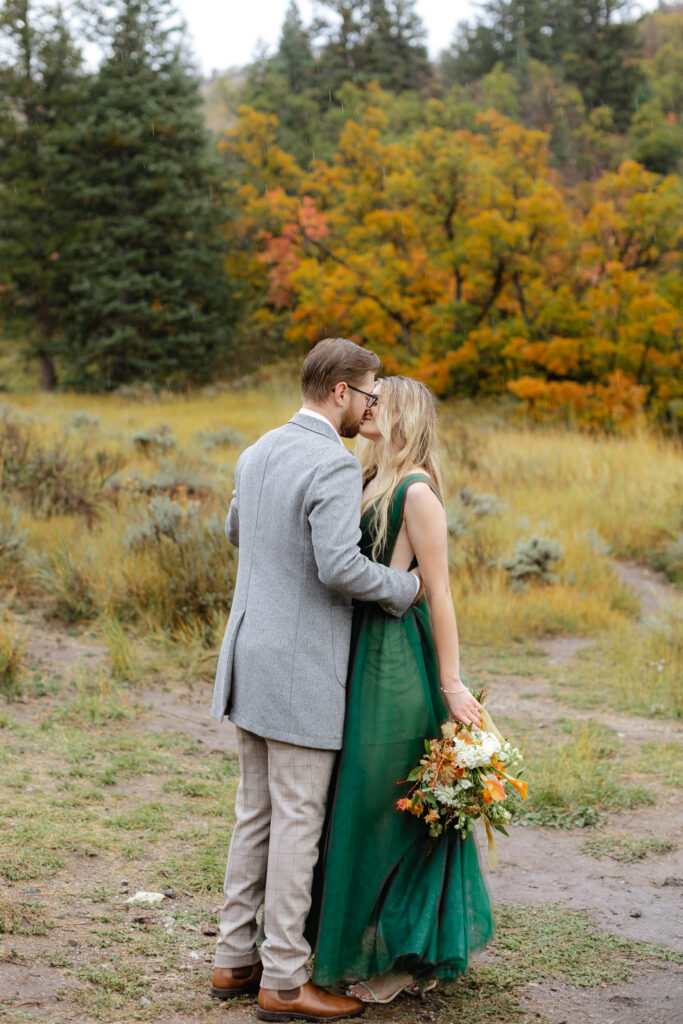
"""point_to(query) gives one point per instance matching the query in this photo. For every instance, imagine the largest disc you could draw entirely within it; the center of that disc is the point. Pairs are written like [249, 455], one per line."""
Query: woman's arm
[425, 521]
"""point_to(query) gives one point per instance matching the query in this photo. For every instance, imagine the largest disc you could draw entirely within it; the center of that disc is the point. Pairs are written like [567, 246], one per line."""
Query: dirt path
[655, 998]
[653, 588]
[176, 711]
[56, 650]
[641, 900]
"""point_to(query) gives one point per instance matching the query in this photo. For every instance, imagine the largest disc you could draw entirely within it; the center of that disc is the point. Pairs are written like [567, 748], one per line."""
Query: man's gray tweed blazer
[295, 518]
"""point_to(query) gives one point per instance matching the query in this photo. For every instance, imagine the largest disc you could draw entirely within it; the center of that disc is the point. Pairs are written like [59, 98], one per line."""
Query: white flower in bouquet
[477, 753]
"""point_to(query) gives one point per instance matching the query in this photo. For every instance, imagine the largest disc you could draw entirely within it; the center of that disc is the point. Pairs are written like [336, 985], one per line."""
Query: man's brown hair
[331, 361]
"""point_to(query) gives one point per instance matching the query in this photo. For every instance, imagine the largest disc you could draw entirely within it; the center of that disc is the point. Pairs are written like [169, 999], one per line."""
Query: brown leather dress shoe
[308, 1002]
[229, 982]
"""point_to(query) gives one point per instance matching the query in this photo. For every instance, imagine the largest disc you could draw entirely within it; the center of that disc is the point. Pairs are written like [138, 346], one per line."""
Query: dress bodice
[395, 519]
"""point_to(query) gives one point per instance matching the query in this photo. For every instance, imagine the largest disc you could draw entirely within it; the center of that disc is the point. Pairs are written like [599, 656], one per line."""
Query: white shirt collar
[319, 416]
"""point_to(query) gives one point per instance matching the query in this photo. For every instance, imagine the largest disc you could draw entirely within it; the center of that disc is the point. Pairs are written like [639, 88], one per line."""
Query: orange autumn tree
[255, 168]
[627, 289]
[459, 258]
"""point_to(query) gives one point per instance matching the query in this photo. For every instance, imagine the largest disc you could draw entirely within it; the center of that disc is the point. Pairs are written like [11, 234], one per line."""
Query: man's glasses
[370, 400]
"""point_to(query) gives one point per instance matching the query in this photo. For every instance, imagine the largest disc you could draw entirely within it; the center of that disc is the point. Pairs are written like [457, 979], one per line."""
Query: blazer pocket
[227, 656]
[342, 615]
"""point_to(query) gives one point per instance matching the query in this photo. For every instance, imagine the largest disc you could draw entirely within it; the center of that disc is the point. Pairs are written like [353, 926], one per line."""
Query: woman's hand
[463, 706]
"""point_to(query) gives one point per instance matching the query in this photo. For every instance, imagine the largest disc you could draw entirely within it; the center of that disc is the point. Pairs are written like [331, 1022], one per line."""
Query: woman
[383, 910]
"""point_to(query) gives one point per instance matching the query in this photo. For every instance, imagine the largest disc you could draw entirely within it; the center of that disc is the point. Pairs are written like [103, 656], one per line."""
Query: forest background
[504, 220]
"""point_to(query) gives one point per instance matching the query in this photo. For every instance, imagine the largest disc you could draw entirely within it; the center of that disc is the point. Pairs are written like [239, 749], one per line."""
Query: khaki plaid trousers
[280, 810]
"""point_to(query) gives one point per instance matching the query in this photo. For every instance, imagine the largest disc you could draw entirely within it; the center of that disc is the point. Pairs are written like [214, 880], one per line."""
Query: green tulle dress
[380, 900]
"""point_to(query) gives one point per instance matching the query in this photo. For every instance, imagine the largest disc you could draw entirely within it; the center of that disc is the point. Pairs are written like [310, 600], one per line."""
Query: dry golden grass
[594, 495]
[11, 654]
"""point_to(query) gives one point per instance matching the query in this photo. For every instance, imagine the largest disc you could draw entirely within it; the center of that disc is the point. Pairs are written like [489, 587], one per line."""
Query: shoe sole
[280, 1015]
[232, 993]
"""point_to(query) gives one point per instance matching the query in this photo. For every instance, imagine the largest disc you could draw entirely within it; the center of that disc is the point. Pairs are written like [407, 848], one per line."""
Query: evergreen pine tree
[589, 43]
[41, 93]
[598, 55]
[393, 49]
[374, 39]
[286, 84]
[294, 59]
[149, 298]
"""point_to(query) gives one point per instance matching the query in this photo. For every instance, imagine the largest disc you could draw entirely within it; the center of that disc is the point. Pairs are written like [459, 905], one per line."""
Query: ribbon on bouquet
[492, 851]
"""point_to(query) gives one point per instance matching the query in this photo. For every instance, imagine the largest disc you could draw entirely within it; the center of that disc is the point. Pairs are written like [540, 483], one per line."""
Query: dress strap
[415, 478]
[398, 505]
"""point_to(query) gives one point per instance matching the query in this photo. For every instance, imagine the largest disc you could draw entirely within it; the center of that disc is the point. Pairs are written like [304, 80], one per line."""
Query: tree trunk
[47, 375]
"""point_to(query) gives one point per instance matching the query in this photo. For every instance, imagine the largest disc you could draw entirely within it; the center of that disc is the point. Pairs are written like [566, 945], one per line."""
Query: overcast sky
[225, 33]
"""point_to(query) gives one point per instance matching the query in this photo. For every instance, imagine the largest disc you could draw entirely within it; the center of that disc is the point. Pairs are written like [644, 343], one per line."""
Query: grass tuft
[11, 653]
[549, 941]
[626, 848]
[573, 782]
[18, 917]
[124, 657]
[97, 699]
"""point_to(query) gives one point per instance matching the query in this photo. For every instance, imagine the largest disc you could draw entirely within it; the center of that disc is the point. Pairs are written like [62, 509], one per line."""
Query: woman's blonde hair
[407, 421]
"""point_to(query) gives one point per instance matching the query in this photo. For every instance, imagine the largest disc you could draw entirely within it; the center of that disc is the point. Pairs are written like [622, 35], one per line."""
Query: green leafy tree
[150, 297]
[41, 96]
[509, 31]
[656, 133]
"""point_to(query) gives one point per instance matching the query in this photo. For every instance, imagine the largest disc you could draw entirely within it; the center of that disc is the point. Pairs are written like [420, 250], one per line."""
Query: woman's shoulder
[419, 488]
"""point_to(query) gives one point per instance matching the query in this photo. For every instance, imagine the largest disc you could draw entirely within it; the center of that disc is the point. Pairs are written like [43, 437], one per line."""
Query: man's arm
[232, 522]
[333, 508]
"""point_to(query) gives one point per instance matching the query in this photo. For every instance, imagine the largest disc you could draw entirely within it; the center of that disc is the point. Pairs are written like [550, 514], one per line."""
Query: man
[282, 673]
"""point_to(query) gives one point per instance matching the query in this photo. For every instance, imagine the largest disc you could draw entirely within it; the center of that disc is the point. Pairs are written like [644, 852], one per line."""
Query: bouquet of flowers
[462, 777]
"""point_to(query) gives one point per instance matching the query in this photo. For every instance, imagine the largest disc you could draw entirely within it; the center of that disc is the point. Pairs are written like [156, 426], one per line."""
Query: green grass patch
[575, 780]
[149, 818]
[664, 761]
[97, 699]
[637, 670]
[21, 864]
[549, 941]
[19, 917]
[626, 848]
[115, 983]
[102, 894]
[199, 864]
[36, 845]
[81, 803]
